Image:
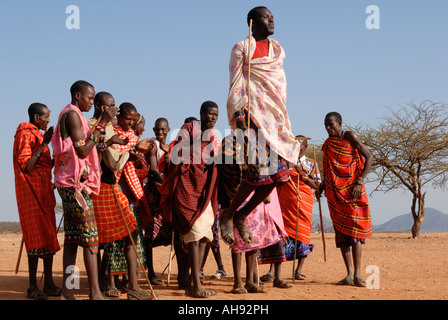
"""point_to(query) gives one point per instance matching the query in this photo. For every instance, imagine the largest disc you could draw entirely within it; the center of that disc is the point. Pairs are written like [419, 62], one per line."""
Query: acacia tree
[410, 150]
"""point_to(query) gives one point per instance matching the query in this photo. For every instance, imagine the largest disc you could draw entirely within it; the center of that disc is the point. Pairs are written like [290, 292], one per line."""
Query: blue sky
[167, 57]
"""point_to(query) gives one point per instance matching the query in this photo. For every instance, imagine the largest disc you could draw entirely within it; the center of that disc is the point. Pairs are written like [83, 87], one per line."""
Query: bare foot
[347, 281]
[226, 226]
[241, 226]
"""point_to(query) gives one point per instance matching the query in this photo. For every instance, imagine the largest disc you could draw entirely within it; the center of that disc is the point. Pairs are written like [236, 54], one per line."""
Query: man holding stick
[298, 217]
[35, 197]
[346, 163]
[261, 102]
[110, 204]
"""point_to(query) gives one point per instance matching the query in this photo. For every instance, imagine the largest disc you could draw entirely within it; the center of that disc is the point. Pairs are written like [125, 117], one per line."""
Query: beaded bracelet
[79, 143]
[94, 138]
[101, 147]
[239, 116]
[101, 129]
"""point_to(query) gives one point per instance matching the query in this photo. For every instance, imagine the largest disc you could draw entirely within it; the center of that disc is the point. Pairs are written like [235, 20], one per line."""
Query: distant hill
[435, 221]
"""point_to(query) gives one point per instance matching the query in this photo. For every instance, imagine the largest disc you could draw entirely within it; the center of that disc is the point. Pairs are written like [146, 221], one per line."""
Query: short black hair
[127, 107]
[161, 120]
[100, 96]
[36, 108]
[190, 119]
[78, 86]
[254, 15]
[207, 105]
[336, 115]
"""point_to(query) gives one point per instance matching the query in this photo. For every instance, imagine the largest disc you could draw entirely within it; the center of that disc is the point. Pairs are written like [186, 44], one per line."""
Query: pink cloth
[68, 167]
[268, 96]
[265, 223]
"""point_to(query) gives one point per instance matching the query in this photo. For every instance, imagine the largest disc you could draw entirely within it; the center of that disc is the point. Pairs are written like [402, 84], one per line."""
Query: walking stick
[171, 257]
[20, 255]
[133, 243]
[297, 230]
[166, 267]
[320, 208]
[248, 81]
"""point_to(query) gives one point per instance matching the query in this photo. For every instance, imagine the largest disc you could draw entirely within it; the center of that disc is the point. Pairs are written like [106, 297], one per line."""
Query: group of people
[126, 195]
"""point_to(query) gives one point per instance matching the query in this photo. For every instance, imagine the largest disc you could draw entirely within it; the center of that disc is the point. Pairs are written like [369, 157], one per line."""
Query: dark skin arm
[309, 179]
[153, 172]
[115, 139]
[34, 158]
[74, 129]
[362, 149]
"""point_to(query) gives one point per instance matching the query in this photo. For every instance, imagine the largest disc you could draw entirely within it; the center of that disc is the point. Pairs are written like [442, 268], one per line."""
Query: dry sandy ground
[403, 268]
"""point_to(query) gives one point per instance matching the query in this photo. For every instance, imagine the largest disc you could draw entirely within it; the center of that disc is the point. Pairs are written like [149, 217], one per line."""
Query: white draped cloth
[267, 96]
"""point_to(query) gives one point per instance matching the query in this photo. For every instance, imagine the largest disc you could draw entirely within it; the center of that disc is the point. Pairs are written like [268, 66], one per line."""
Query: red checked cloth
[35, 197]
[132, 174]
[342, 166]
[108, 216]
[192, 186]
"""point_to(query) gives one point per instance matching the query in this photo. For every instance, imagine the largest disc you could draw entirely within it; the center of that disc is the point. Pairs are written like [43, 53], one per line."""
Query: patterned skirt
[115, 254]
[79, 225]
[264, 166]
[303, 249]
[272, 254]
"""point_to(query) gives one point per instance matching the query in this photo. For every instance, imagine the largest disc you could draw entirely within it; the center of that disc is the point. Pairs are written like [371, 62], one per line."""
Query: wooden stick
[302, 138]
[171, 255]
[96, 123]
[20, 255]
[248, 81]
[320, 208]
[297, 230]
[163, 272]
[133, 243]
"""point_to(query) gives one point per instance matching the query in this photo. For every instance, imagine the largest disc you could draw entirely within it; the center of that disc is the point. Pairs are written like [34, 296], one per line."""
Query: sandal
[200, 293]
[267, 278]
[239, 290]
[255, 289]
[219, 274]
[241, 226]
[112, 293]
[156, 281]
[52, 292]
[282, 284]
[36, 294]
[299, 276]
[142, 295]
